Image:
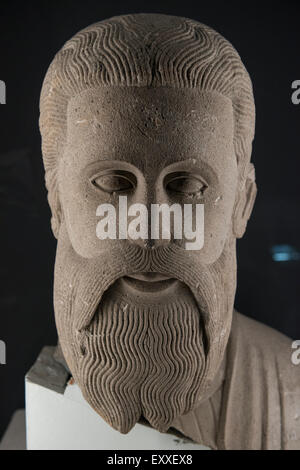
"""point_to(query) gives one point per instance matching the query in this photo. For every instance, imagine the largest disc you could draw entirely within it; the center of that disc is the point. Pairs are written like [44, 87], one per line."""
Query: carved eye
[185, 183]
[115, 181]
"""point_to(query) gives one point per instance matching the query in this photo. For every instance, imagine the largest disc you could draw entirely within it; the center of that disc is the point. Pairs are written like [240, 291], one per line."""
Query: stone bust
[160, 109]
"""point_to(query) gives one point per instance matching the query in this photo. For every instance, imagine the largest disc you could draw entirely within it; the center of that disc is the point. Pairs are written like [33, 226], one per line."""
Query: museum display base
[58, 417]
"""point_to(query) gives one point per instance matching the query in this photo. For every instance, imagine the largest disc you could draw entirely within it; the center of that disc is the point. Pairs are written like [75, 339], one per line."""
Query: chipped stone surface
[48, 372]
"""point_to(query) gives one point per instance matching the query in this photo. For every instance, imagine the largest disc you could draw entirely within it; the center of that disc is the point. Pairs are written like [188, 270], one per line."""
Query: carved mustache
[99, 274]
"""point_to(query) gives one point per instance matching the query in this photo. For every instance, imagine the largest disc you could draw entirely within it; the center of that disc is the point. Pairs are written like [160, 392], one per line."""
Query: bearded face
[144, 324]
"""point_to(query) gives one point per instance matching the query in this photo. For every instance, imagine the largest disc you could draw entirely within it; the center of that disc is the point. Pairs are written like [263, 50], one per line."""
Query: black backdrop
[267, 38]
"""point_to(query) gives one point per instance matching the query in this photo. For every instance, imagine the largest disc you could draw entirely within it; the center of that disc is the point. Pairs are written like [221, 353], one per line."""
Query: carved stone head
[158, 109]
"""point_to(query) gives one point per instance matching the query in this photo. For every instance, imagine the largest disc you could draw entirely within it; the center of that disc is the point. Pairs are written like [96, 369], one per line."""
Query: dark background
[267, 36]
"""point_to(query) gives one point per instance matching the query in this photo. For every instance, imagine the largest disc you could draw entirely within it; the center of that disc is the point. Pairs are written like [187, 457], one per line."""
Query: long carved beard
[134, 359]
[142, 360]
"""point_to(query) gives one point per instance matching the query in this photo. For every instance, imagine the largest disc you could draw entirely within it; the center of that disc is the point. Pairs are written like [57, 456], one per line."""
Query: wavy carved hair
[142, 50]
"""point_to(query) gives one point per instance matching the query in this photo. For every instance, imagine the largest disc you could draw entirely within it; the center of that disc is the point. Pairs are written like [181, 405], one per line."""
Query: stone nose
[151, 209]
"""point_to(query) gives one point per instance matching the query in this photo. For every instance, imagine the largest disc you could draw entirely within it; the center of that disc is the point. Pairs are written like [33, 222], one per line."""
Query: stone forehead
[154, 126]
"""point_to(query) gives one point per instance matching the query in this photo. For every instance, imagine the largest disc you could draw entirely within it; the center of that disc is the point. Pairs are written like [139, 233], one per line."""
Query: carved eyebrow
[109, 165]
[188, 163]
[197, 167]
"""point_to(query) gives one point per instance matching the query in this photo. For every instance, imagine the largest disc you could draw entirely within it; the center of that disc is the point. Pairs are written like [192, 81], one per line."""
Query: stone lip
[48, 372]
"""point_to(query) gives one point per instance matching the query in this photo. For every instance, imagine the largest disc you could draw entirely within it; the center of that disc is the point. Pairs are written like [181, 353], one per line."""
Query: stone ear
[244, 202]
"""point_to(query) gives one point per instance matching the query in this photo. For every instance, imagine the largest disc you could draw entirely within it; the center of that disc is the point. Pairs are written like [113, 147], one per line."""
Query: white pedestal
[59, 418]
